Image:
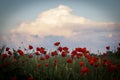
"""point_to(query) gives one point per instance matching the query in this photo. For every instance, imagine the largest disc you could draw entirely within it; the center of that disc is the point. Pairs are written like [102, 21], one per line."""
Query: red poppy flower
[64, 54]
[118, 48]
[87, 51]
[96, 65]
[72, 56]
[104, 59]
[84, 70]
[30, 55]
[78, 56]
[21, 52]
[7, 49]
[30, 47]
[84, 50]
[91, 62]
[109, 63]
[95, 59]
[42, 58]
[37, 53]
[47, 65]
[54, 53]
[65, 49]
[87, 55]
[57, 43]
[47, 56]
[5, 64]
[74, 52]
[104, 54]
[30, 78]
[108, 47]
[9, 52]
[81, 63]
[4, 56]
[39, 65]
[112, 68]
[103, 63]
[78, 49]
[60, 49]
[37, 49]
[55, 62]
[23, 61]
[41, 50]
[69, 60]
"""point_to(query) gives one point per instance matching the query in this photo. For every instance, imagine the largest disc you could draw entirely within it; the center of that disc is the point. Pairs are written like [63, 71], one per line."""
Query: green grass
[25, 67]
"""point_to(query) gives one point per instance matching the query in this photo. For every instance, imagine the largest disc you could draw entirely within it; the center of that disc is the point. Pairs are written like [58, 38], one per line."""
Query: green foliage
[30, 66]
[25, 67]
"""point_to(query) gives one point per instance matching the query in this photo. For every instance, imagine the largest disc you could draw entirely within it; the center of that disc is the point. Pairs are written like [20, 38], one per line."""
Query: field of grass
[59, 64]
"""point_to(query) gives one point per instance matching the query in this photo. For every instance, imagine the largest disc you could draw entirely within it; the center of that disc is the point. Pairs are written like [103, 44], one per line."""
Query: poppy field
[60, 63]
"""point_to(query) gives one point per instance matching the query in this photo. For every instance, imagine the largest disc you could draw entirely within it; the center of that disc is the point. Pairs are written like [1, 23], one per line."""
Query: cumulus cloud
[62, 23]
[58, 22]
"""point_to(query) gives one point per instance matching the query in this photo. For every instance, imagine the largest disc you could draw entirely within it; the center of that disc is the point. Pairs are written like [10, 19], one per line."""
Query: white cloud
[56, 22]
[110, 35]
[61, 22]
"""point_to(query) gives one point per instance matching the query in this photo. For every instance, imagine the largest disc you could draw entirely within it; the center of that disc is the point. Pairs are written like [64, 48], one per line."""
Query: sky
[94, 24]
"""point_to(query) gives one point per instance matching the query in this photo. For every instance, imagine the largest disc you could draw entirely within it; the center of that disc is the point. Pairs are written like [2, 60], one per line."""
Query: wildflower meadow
[61, 63]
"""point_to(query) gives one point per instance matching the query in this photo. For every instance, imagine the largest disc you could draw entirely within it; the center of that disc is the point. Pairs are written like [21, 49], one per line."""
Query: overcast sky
[75, 23]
